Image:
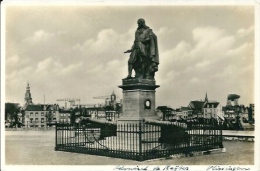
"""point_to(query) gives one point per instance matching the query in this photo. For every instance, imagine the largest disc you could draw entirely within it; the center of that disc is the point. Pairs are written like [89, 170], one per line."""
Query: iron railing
[140, 141]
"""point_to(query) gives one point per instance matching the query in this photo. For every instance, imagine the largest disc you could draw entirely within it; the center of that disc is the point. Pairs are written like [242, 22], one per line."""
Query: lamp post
[164, 115]
[238, 119]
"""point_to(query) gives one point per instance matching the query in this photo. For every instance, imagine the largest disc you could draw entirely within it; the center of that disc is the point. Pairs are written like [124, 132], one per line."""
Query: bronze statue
[144, 57]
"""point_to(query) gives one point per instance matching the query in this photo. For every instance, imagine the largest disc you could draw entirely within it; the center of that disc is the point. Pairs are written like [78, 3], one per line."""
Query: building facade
[213, 110]
[35, 116]
[197, 108]
[38, 115]
[64, 116]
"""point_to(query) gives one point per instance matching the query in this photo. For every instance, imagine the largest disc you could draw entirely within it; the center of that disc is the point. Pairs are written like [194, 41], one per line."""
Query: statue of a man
[144, 57]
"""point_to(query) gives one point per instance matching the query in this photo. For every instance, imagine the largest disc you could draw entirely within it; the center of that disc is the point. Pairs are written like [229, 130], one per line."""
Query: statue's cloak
[154, 52]
[147, 36]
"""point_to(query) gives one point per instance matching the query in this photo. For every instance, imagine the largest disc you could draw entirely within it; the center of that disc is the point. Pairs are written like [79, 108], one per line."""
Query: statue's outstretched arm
[130, 50]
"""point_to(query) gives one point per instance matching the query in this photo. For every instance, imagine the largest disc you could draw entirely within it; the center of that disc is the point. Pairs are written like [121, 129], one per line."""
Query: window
[31, 120]
[42, 113]
[31, 114]
[54, 119]
[36, 114]
[42, 120]
[36, 120]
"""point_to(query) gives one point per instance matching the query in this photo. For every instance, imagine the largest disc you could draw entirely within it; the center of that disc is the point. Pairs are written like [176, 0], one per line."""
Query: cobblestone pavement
[37, 148]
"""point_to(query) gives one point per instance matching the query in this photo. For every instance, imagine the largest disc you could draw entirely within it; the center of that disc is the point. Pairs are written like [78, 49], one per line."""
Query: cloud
[244, 32]
[207, 34]
[95, 69]
[57, 69]
[210, 43]
[203, 64]
[81, 55]
[211, 61]
[45, 65]
[39, 36]
[71, 69]
[245, 48]
[17, 75]
[106, 41]
[12, 60]
[194, 80]
[165, 31]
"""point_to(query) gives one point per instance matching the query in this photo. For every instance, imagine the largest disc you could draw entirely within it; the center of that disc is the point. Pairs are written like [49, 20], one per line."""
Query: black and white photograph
[105, 85]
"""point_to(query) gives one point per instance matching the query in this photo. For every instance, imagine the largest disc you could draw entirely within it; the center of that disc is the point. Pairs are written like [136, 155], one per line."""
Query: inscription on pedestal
[139, 99]
[134, 104]
[130, 103]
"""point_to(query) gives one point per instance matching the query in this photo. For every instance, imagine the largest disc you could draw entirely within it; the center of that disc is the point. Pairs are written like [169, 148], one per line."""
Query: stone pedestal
[138, 104]
[138, 99]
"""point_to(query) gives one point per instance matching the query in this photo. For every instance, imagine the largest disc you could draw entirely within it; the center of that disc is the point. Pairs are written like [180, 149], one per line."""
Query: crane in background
[84, 105]
[103, 97]
[110, 100]
[70, 100]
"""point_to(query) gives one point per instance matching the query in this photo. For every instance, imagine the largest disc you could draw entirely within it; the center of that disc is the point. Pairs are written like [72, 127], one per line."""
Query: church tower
[28, 98]
[206, 98]
[113, 100]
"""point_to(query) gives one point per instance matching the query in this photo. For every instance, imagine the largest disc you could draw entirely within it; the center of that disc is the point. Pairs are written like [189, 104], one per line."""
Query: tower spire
[28, 98]
[206, 97]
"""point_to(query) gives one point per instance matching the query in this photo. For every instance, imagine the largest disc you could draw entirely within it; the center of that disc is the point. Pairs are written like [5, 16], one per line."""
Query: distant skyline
[77, 52]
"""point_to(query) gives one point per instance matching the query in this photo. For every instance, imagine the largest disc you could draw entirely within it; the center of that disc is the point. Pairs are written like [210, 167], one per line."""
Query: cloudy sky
[77, 51]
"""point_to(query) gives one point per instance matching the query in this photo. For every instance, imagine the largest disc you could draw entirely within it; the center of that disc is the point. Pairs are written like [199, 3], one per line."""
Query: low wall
[30, 129]
[230, 135]
[238, 133]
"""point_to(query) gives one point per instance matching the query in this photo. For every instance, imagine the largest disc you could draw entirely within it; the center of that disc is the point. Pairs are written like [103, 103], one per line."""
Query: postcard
[120, 85]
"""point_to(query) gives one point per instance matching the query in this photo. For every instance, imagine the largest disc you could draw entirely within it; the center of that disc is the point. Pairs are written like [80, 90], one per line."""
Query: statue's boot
[143, 71]
[129, 77]
[130, 68]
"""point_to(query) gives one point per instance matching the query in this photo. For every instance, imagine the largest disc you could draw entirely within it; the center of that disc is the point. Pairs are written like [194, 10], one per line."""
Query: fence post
[221, 136]
[56, 148]
[140, 142]
[188, 137]
[163, 118]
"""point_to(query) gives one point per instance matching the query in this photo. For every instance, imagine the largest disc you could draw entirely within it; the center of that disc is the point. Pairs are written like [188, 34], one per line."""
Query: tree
[108, 108]
[73, 115]
[49, 117]
[11, 111]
